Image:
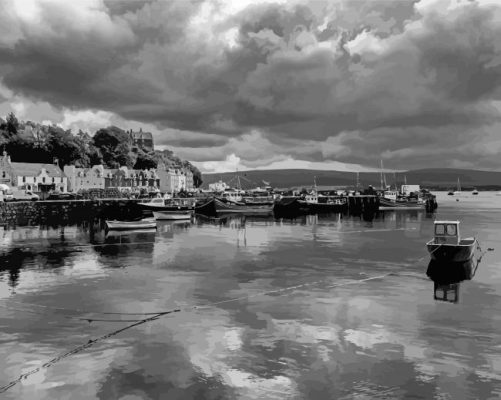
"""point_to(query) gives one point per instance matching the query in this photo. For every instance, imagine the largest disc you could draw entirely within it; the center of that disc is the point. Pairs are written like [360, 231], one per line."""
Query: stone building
[141, 140]
[132, 179]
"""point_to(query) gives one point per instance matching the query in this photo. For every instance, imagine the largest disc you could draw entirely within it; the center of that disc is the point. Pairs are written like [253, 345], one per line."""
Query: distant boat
[447, 244]
[475, 192]
[172, 215]
[145, 223]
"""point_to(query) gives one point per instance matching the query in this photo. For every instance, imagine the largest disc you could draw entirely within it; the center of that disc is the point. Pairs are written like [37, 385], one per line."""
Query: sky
[246, 84]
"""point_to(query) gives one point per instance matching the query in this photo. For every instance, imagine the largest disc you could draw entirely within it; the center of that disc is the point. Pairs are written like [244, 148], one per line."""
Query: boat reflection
[447, 277]
[130, 236]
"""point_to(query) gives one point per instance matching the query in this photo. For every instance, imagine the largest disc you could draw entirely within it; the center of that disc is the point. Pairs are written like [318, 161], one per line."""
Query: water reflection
[447, 277]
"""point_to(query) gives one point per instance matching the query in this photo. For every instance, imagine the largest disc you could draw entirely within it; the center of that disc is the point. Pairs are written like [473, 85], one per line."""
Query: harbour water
[321, 307]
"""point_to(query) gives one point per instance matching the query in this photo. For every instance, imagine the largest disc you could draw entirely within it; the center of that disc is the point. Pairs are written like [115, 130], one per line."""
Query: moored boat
[172, 215]
[475, 192]
[216, 206]
[390, 204]
[394, 200]
[447, 244]
[145, 223]
[160, 204]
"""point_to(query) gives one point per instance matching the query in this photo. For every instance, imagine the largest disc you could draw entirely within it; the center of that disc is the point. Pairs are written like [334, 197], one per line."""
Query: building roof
[142, 135]
[33, 169]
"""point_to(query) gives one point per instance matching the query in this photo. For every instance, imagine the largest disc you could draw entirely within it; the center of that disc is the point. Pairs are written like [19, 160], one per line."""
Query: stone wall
[66, 212]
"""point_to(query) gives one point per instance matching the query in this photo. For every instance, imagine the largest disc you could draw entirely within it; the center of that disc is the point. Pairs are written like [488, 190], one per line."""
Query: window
[53, 180]
[439, 229]
[43, 179]
[24, 179]
[451, 230]
[3, 174]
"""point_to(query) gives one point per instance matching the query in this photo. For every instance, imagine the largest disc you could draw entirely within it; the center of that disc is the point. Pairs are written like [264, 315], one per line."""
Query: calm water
[338, 336]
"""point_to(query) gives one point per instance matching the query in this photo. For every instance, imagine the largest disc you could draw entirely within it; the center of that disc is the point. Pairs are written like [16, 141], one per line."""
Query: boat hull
[148, 223]
[172, 215]
[447, 273]
[297, 206]
[216, 206]
[386, 204]
[154, 207]
[450, 252]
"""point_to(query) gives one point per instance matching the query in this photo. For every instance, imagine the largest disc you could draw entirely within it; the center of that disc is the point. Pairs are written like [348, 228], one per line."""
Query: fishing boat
[145, 223]
[475, 192]
[290, 206]
[447, 244]
[314, 202]
[215, 206]
[393, 200]
[172, 215]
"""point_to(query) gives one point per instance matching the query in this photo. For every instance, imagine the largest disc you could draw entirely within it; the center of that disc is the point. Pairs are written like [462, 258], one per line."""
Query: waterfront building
[85, 178]
[175, 178]
[5, 169]
[130, 179]
[219, 186]
[189, 180]
[37, 177]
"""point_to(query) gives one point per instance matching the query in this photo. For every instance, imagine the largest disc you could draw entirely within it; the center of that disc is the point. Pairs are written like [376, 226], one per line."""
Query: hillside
[436, 178]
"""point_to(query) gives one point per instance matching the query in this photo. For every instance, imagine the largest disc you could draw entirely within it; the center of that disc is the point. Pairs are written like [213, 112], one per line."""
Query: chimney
[55, 161]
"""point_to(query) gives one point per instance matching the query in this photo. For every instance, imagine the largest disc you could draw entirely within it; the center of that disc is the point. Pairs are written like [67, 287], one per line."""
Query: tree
[63, 145]
[145, 161]
[12, 124]
[114, 145]
[24, 150]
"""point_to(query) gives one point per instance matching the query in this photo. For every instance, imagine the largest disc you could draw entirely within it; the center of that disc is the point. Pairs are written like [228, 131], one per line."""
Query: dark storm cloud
[310, 70]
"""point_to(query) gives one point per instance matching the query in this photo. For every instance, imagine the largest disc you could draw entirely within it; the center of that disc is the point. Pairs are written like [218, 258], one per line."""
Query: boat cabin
[446, 232]
[232, 195]
[390, 195]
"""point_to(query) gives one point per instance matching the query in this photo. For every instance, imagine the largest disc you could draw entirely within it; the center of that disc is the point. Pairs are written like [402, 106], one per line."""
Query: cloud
[322, 74]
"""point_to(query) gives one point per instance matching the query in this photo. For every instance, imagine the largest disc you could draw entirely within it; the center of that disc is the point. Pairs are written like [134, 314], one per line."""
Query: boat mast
[358, 180]
[383, 177]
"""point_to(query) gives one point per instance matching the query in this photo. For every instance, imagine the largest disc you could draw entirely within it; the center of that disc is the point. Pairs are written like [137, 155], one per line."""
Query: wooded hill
[433, 178]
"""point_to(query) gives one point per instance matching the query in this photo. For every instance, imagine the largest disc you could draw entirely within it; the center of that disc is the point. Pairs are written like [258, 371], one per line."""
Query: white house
[85, 178]
[38, 177]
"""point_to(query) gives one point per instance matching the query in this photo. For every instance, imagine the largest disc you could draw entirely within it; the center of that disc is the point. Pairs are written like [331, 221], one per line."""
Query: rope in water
[90, 343]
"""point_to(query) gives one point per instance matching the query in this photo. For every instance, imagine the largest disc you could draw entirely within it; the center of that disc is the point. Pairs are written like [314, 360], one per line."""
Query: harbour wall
[58, 212]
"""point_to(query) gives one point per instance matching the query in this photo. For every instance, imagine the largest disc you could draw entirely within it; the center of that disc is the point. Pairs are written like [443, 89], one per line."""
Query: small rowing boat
[145, 223]
[172, 215]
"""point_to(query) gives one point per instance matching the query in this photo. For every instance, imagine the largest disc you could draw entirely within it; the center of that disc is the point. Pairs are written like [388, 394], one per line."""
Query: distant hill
[433, 178]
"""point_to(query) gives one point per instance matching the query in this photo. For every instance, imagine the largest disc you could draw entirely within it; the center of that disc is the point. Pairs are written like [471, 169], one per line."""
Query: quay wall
[48, 212]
